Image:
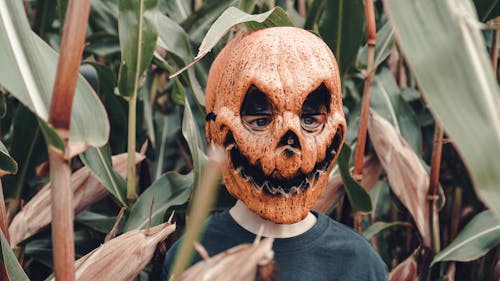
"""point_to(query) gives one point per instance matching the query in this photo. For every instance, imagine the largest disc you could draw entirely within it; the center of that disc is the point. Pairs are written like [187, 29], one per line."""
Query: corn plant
[116, 122]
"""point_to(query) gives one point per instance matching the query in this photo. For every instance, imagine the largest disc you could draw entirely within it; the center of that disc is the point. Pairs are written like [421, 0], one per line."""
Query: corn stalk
[72, 44]
[494, 50]
[432, 195]
[4, 229]
[371, 33]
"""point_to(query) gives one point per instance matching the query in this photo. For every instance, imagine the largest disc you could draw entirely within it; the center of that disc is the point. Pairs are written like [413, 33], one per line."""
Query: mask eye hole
[315, 109]
[256, 110]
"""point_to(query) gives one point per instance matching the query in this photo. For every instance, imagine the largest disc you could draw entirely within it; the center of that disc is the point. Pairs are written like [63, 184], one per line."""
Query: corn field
[103, 156]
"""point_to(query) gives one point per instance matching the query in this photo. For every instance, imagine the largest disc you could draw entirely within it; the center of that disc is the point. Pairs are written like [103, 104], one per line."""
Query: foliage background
[170, 119]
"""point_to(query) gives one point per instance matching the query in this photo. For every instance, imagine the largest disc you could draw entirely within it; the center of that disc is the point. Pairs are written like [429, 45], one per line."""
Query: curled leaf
[87, 190]
[407, 177]
[122, 258]
[334, 189]
[237, 263]
[405, 271]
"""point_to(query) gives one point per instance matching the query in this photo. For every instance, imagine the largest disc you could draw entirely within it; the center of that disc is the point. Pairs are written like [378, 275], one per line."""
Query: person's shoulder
[355, 247]
[342, 231]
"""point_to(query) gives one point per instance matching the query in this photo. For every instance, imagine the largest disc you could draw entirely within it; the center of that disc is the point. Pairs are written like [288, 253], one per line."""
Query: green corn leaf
[387, 100]
[27, 70]
[383, 48]
[137, 27]
[14, 269]
[233, 16]
[7, 164]
[479, 236]
[358, 197]
[444, 47]
[342, 27]
[175, 40]
[98, 160]
[171, 189]
[193, 136]
[379, 226]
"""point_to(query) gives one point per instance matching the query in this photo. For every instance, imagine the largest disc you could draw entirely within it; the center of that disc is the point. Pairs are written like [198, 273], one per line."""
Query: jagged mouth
[280, 186]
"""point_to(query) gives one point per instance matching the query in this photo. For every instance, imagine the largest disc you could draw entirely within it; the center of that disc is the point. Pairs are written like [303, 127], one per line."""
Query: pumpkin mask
[274, 102]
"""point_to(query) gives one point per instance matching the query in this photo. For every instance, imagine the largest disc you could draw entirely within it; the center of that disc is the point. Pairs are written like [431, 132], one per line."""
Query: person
[274, 102]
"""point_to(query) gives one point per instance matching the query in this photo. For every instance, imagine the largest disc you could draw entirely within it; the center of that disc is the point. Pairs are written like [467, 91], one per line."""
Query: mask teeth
[316, 176]
[295, 190]
[253, 182]
[243, 174]
[264, 186]
[229, 147]
[303, 184]
[282, 191]
[272, 189]
[238, 170]
[310, 180]
[333, 152]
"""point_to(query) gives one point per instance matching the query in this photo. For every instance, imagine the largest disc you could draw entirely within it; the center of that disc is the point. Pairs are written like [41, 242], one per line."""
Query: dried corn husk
[407, 176]
[122, 258]
[238, 263]
[334, 189]
[405, 271]
[36, 214]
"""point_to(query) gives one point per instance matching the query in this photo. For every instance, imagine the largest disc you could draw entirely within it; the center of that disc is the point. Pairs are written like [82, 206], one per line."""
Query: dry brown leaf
[37, 214]
[405, 271]
[334, 189]
[237, 263]
[407, 177]
[122, 258]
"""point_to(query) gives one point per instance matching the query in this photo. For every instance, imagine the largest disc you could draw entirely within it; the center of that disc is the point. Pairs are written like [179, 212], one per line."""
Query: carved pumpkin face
[274, 102]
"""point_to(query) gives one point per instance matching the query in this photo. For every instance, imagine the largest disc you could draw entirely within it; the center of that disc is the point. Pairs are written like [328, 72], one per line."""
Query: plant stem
[494, 51]
[4, 228]
[365, 105]
[203, 200]
[131, 187]
[3, 215]
[432, 194]
[72, 44]
[62, 216]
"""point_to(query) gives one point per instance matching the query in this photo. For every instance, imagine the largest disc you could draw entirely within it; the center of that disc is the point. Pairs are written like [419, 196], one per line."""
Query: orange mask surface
[274, 102]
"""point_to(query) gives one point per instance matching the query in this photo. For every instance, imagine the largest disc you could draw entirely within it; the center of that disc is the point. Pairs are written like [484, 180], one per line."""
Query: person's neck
[253, 223]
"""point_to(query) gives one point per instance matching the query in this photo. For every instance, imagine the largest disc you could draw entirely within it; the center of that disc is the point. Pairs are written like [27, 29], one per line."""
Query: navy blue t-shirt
[328, 251]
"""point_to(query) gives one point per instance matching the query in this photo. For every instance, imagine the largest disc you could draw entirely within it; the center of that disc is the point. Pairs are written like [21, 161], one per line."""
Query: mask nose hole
[290, 139]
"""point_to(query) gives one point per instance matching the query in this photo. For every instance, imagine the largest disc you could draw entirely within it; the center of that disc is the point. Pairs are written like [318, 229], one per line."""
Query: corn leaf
[233, 16]
[7, 164]
[407, 177]
[342, 27]
[238, 263]
[380, 226]
[137, 27]
[358, 197]
[175, 40]
[14, 269]
[387, 100]
[407, 270]
[479, 236]
[194, 138]
[27, 70]
[444, 47]
[171, 189]
[383, 48]
[98, 161]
